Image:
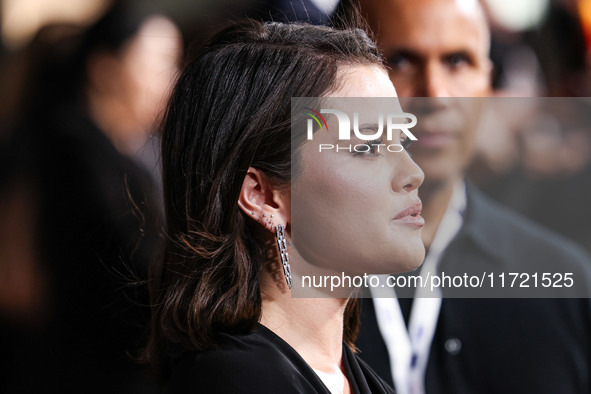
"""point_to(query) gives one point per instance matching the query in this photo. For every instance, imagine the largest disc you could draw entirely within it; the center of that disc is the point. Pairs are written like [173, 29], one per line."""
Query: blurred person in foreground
[90, 103]
[437, 49]
[236, 180]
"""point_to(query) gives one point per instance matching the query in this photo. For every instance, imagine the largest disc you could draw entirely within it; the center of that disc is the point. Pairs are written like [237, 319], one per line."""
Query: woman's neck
[312, 326]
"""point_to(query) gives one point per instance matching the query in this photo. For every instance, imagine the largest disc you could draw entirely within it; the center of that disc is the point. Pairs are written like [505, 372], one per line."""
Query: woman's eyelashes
[377, 147]
[369, 148]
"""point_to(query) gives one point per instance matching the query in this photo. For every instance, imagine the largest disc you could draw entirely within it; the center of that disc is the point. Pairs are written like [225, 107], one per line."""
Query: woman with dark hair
[223, 313]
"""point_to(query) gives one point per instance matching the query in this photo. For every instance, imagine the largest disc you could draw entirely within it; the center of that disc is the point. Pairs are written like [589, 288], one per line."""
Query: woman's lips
[411, 215]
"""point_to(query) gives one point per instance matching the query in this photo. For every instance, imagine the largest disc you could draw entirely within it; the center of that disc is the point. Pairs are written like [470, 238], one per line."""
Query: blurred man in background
[438, 49]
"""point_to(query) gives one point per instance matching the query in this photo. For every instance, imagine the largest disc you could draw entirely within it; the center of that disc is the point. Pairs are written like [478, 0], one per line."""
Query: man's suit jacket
[501, 345]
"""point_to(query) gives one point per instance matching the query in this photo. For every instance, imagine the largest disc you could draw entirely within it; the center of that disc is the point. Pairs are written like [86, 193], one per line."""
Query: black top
[262, 362]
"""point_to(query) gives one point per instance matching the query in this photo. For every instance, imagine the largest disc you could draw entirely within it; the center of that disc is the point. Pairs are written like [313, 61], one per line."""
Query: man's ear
[264, 201]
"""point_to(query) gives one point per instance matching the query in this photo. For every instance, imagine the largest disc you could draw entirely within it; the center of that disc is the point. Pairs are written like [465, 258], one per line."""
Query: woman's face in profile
[357, 212]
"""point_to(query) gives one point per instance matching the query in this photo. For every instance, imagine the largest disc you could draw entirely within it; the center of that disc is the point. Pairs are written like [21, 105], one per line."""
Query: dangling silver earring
[282, 244]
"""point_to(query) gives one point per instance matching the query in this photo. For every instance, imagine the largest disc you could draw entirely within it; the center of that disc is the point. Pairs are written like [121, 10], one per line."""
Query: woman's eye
[369, 148]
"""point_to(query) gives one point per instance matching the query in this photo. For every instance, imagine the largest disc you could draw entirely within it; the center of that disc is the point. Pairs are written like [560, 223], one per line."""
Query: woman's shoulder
[255, 362]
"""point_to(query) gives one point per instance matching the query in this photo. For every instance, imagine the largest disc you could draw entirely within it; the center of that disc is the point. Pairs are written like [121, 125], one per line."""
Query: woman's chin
[417, 258]
[412, 260]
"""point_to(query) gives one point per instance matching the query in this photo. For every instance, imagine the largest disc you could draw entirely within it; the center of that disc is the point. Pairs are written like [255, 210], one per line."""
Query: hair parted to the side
[230, 110]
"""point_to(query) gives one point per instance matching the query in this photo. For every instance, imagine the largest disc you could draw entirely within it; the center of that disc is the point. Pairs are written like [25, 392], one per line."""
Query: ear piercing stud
[268, 220]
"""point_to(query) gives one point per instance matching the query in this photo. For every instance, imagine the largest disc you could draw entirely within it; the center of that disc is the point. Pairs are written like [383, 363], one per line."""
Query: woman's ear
[264, 201]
